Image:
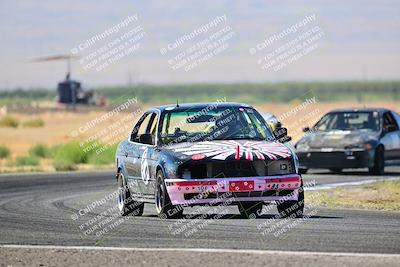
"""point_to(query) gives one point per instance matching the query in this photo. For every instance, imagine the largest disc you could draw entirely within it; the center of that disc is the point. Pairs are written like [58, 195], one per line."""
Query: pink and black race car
[207, 154]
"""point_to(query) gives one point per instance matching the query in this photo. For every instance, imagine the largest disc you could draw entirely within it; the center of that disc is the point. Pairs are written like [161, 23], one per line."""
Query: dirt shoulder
[383, 195]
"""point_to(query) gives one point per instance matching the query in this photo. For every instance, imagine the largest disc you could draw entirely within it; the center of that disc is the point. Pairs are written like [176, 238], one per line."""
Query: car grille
[236, 168]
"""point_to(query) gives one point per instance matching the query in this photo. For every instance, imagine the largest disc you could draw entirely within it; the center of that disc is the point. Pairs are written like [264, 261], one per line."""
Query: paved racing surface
[52, 209]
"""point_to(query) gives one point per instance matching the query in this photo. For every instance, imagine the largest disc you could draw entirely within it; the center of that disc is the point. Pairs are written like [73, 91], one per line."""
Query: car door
[143, 160]
[133, 152]
[391, 137]
[148, 157]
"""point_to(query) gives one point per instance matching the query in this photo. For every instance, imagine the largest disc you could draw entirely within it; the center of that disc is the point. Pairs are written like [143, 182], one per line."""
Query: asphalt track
[49, 209]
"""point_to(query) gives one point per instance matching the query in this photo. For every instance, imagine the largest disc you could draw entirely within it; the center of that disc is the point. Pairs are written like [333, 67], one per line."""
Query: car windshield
[200, 124]
[349, 121]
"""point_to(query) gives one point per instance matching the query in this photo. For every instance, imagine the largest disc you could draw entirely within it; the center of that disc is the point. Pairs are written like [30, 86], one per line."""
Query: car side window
[397, 118]
[388, 120]
[140, 127]
[152, 127]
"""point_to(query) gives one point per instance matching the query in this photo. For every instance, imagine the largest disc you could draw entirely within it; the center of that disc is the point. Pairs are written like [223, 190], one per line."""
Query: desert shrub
[9, 122]
[66, 156]
[29, 160]
[40, 150]
[64, 165]
[103, 155]
[33, 123]
[71, 152]
[4, 152]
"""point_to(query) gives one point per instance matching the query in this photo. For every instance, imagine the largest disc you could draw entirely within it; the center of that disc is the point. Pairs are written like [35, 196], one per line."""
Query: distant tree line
[241, 92]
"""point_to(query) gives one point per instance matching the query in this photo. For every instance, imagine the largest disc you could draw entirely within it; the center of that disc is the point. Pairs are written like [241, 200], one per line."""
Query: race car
[207, 154]
[351, 138]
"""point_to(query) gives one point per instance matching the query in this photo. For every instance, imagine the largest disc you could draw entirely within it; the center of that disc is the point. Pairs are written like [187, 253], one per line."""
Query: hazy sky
[361, 39]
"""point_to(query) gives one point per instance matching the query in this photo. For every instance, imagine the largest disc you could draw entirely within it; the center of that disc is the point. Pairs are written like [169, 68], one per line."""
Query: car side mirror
[281, 135]
[306, 129]
[146, 139]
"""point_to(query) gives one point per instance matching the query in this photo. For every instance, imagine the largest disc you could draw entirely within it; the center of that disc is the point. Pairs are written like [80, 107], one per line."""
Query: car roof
[380, 110]
[185, 106]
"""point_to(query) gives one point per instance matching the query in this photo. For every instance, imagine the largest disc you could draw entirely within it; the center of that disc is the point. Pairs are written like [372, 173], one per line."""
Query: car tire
[164, 207]
[292, 208]
[250, 210]
[379, 162]
[126, 204]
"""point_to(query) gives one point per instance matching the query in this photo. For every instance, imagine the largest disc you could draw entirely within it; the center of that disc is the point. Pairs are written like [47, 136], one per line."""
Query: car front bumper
[236, 189]
[336, 159]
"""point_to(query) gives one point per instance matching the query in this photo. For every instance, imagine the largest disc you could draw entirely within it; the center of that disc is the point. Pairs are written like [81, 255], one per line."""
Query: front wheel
[292, 208]
[379, 162]
[164, 207]
[126, 204]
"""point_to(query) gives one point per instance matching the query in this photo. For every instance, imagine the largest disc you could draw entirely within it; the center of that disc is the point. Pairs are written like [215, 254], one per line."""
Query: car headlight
[366, 146]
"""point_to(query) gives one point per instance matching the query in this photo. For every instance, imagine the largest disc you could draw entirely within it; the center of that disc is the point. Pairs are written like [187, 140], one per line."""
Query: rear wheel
[164, 207]
[379, 162]
[126, 204]
[292, 208]
[250, 210]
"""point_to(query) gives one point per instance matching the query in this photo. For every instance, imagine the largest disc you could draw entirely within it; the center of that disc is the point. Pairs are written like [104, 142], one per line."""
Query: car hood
[229, 150]
[338, 138]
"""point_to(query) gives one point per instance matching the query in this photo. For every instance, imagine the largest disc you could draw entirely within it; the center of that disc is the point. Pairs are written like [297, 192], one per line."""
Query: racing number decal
[203, 188]
[275, 186]
[144, 169]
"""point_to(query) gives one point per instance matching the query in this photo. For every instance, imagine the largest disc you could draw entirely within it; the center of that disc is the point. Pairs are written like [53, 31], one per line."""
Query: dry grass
[381, 196]
[56, 130]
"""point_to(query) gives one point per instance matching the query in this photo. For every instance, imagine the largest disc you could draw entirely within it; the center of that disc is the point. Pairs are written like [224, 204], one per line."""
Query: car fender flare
[376, 144]
[120, 169]
[159, 167]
